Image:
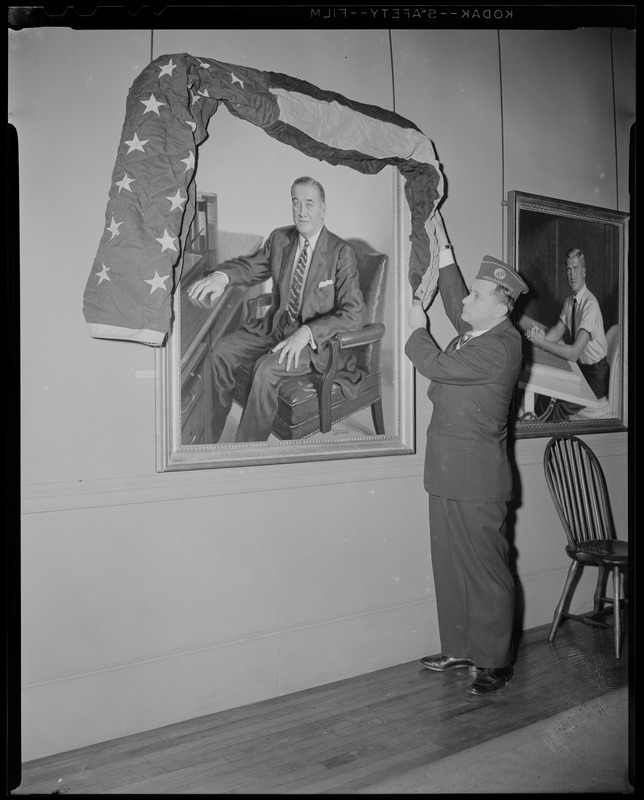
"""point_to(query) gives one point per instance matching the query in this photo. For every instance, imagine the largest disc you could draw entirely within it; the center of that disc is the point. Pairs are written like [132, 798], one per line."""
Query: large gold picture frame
[352, 438]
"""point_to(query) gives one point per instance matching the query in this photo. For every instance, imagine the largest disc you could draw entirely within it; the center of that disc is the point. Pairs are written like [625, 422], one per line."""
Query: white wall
[151, 598]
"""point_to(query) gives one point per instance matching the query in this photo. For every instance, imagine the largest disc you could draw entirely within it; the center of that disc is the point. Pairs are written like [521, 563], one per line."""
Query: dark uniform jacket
[471, 391]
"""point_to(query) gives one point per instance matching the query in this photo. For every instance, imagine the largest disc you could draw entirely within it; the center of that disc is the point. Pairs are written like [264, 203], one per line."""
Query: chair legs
[617, 610]
[598, 603]
[563, 601]
[615, 604]
[378, 417]
[600, 591]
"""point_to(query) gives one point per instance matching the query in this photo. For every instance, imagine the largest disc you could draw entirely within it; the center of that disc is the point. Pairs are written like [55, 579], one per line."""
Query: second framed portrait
[574, 317]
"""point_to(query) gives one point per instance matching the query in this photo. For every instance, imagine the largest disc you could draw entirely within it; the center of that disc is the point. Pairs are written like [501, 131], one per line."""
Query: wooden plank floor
[344, 736]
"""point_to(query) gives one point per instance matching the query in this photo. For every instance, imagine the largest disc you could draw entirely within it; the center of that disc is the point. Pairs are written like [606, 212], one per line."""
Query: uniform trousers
[259, 411]
[475, 590]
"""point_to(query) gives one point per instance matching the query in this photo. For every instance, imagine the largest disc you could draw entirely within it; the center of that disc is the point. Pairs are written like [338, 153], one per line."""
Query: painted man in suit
[315, 294]
[467, 471]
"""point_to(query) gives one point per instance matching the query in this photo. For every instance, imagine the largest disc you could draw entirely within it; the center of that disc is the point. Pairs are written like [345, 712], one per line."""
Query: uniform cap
[502, 274]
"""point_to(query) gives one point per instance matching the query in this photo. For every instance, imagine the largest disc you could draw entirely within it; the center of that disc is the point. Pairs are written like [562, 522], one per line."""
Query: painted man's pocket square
[322, 284]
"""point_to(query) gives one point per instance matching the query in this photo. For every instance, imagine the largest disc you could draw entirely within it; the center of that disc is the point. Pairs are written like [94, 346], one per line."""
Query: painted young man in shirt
[581, 318]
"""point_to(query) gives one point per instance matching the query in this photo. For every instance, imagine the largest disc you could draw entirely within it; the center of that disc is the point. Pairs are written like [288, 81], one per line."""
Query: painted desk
[551, 376]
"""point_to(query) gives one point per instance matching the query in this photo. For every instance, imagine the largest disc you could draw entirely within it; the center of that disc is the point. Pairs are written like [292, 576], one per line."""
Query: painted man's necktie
[295, 296]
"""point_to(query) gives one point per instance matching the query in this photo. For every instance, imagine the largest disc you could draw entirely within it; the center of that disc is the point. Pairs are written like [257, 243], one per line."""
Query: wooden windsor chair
[578, 489]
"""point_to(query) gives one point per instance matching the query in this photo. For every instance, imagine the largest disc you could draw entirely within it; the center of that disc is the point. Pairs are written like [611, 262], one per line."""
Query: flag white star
[113, 228]
[189, 162]
[195, 98]
[193, 125]
[177, 201]
[167, 69]
[136, 144]
[125, 182]
[102, 275]
[157, 282]
[235, 79]
[152, 104]
[166, 241]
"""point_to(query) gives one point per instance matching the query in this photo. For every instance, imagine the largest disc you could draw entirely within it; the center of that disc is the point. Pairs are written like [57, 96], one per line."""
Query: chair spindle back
[576, 483]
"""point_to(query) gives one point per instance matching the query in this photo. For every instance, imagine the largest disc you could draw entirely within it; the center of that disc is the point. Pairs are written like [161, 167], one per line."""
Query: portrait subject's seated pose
[581, 318]
[315, 294]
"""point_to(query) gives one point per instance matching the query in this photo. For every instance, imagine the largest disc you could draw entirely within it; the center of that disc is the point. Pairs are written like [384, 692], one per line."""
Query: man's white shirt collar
[312, 241]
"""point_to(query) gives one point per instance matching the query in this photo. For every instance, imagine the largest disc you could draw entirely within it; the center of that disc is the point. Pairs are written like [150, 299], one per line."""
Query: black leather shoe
[441, 662]
[490, 680]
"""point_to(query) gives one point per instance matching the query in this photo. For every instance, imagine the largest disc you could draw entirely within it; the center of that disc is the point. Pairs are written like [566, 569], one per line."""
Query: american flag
[152, 196]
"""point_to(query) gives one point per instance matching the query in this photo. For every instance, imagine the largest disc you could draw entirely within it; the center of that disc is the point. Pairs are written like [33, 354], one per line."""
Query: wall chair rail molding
[39, 498]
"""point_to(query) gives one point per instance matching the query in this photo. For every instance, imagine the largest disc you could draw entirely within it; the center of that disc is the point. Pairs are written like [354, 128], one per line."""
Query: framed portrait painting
[564, 249]
[314, 423]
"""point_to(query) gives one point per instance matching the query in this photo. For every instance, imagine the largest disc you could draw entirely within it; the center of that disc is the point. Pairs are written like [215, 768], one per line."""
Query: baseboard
[71, 710]
[65, 711]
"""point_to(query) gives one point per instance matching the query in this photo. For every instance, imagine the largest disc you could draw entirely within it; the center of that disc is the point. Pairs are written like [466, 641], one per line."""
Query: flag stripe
[339, 126]
[355, 159]
[151, 202]
[296, 85]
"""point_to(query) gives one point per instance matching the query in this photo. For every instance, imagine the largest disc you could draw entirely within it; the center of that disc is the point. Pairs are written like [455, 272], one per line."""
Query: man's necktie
[464, 337]
[297, 281]
[575, 307]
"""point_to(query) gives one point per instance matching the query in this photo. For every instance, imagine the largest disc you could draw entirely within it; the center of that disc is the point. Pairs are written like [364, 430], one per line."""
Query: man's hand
[441, 233]
[207, 290]
[417, 318]
[536, 334]
[292, 347]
